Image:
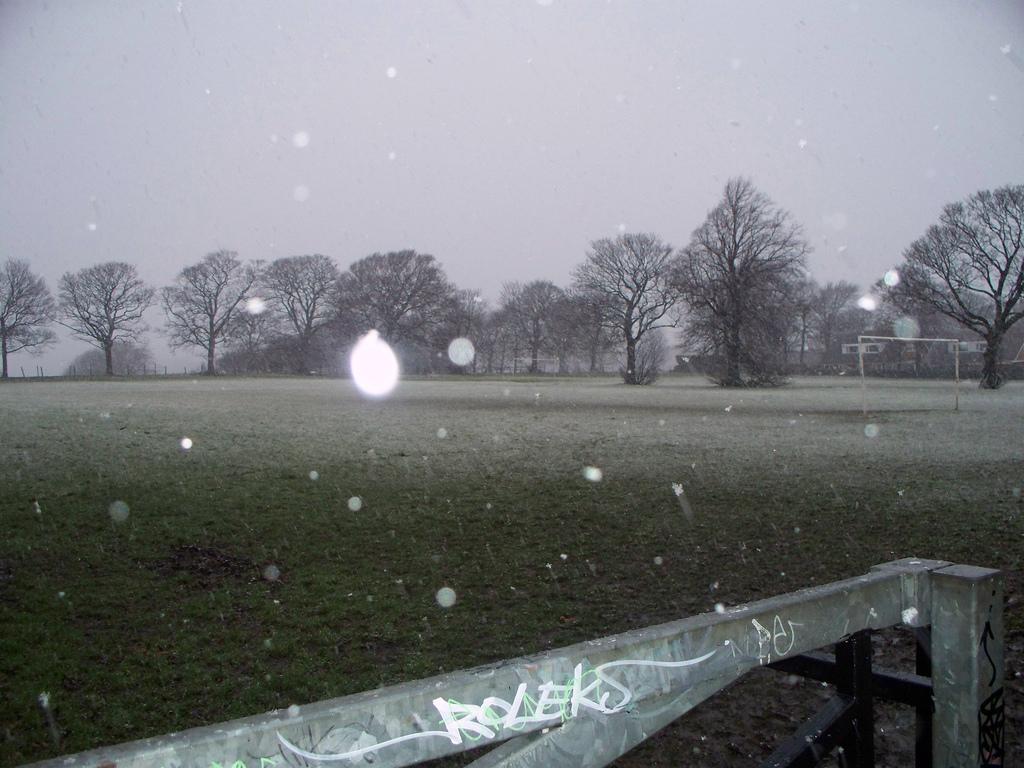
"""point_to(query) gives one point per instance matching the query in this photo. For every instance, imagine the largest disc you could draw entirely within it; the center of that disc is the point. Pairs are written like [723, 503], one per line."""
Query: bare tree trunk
[304, 355]
[732, 358]
[108, 356]
[3, 341]
[630, 376]
[210, 356]
[991, 378]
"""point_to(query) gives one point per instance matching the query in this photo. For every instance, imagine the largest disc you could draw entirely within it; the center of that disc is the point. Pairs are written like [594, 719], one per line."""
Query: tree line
[740, 290]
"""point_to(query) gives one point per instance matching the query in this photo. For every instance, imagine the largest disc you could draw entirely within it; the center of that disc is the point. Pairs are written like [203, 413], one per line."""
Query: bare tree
[465, 317]
[631, 275]
[594, 338]
[302, 288]
[497, 343]
[26, 307]
[531, 310]
[831, 308]
[204, 298]
[467, 312]
[739, 276]
[403, 295]
[804, 294]
[651, 355]
[249, 339]
[970, 267]
[104, 304]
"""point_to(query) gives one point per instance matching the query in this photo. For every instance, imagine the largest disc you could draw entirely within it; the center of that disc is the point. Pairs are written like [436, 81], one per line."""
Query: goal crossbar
[863, 379]
[902, 338]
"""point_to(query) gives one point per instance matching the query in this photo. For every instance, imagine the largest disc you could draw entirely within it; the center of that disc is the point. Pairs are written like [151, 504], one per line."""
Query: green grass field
[161, 617]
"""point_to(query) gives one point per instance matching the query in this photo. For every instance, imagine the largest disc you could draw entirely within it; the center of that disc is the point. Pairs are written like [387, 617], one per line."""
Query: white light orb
[871, 430]
[254, 305]
[391, 72]
[271, 573]
[868, 303]
[461, 351]
[374, 366]
[118, 511]
[891, 278]
[355, 504]
[906, 328]
[186, 443]
[593, 474]
[300, 139]
[445, 597]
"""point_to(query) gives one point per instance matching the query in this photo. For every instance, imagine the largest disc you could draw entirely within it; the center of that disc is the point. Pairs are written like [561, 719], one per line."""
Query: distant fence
[587, 704]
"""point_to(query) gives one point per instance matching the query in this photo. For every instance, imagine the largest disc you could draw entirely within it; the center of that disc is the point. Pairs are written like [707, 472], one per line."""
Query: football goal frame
[863, 341]
[1018, 359]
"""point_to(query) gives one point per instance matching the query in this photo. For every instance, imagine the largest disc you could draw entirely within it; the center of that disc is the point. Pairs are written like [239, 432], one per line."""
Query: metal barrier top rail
[589, 703]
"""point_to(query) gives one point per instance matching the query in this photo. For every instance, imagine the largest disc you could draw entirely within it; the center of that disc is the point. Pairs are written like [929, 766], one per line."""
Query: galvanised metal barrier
[588, 704]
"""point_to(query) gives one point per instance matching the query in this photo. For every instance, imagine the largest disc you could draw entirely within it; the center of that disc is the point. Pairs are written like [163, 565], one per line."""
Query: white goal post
[865, 342]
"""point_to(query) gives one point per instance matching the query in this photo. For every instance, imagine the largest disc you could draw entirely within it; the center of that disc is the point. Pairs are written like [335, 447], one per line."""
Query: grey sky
[509, 136]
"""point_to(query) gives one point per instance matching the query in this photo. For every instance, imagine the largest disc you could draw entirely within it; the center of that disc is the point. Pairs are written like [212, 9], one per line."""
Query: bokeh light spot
[254, 305]
[118, 511]
[906, 328]
[461, 351]
[374, 366]
[445, 597]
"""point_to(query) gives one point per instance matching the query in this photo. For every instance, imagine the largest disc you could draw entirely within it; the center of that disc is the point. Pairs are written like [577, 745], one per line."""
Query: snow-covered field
[180, 586]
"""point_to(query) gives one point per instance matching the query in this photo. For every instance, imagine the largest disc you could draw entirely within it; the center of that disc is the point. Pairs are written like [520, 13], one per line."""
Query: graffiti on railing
[553, 703]
[991, 713]
[765, 643]
[265, 762]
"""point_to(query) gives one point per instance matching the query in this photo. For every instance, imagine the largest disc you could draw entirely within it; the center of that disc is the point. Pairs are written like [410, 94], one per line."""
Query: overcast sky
[502, 137]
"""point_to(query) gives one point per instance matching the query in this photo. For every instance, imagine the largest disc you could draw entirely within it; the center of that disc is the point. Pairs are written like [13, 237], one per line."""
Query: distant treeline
[739, 291]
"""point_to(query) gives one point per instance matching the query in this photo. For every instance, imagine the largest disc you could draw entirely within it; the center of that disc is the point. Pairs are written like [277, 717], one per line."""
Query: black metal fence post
[924, 710]
[853, 663]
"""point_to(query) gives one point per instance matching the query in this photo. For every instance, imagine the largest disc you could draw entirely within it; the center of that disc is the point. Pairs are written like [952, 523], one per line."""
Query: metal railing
[588, 704]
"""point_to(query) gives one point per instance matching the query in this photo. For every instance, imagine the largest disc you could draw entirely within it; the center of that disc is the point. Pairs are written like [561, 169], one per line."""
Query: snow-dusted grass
[160, 616]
